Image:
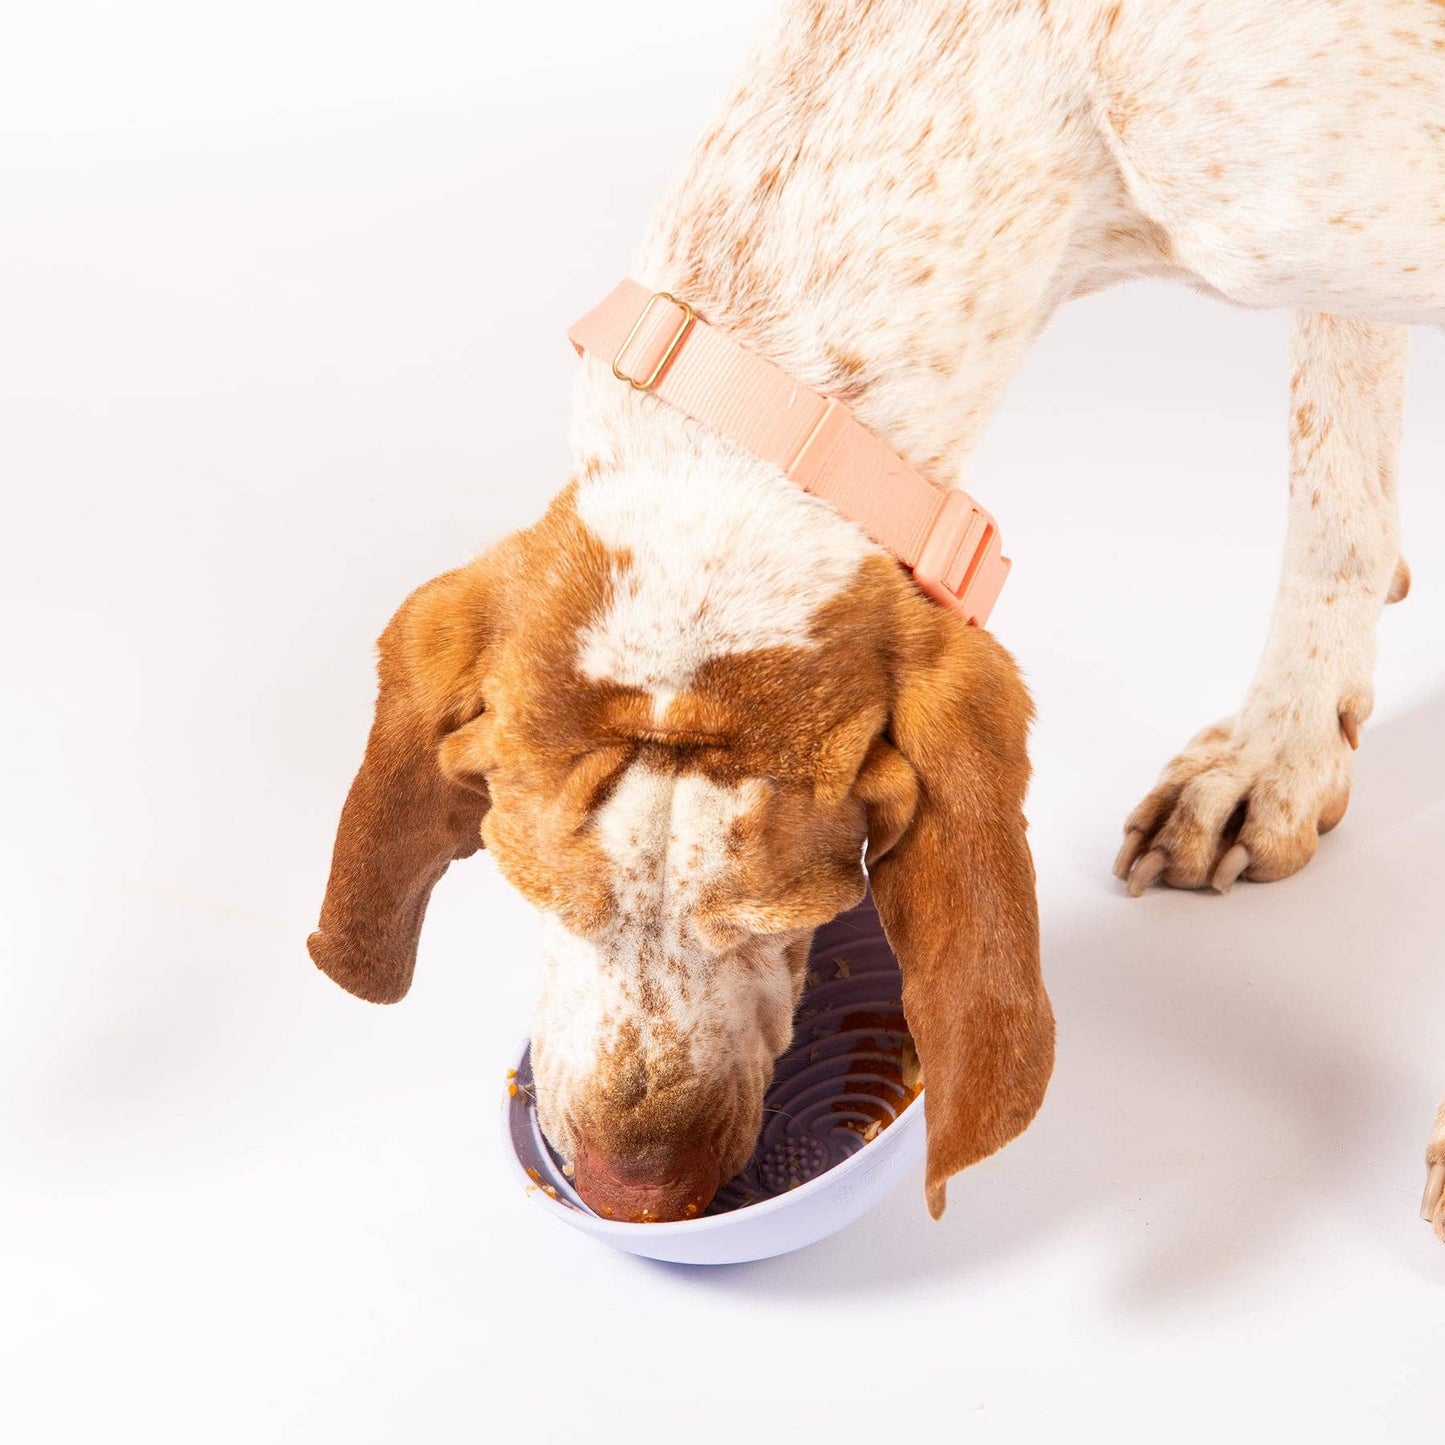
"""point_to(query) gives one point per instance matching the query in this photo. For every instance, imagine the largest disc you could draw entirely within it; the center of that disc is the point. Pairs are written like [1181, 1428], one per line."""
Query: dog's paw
[1242, 801]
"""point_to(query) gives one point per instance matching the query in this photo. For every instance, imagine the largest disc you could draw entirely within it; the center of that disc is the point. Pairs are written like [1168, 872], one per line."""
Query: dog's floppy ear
[953, 881]
[408, 814]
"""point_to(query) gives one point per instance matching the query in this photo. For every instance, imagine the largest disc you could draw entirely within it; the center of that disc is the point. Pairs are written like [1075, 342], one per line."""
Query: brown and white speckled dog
[680, 706]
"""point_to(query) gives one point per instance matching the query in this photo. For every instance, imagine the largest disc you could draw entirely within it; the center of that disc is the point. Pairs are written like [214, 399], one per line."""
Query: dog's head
[685, 798]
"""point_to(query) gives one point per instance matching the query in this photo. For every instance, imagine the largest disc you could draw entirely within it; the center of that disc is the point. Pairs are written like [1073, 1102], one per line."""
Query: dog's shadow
[1222, 1064]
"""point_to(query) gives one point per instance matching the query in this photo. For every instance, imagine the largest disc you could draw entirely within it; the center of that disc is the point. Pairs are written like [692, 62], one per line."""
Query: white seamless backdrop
[282, 297]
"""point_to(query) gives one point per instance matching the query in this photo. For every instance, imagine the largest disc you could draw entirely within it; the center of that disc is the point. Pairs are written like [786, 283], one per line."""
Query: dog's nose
[680, 1188]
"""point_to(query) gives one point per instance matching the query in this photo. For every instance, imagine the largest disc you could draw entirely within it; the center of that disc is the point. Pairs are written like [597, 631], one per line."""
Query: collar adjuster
[655, 344]
[961, 565]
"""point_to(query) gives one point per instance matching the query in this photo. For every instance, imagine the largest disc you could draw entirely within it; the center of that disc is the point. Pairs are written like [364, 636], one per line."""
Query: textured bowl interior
[847, 1076]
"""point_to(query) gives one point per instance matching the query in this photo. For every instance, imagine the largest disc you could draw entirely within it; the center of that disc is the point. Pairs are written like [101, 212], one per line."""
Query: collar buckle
[961, 565]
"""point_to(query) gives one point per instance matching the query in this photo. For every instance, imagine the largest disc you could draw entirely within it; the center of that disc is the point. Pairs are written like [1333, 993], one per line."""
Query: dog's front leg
[1251, 795]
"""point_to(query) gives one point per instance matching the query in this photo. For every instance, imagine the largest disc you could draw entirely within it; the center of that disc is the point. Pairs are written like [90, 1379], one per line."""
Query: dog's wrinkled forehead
[670, 837]
[658, 721]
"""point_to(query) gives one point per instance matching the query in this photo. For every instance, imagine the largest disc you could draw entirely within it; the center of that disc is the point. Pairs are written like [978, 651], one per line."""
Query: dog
[694, 710]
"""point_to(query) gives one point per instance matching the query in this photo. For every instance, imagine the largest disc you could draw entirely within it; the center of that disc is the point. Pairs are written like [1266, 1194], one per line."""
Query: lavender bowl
[843, 1121]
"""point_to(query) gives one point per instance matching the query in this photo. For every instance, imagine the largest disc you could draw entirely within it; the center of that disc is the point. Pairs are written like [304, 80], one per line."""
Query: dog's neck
[896, 197]
[893, 202]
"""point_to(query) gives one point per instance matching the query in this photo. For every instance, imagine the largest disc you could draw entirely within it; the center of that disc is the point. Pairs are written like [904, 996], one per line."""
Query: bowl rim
[594, 1223]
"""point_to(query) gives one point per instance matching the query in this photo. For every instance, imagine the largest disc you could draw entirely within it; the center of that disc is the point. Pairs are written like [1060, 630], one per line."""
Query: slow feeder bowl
[842, 1123]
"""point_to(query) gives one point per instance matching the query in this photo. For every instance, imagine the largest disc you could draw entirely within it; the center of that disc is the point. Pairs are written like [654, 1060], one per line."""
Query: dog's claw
[1400, 583]
[1434, 1191]
[1146, 870]
[1133, 846]
[1226, 875]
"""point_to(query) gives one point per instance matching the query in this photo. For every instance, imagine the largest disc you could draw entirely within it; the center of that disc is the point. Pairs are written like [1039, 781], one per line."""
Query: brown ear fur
[407, 816]
[956, 890]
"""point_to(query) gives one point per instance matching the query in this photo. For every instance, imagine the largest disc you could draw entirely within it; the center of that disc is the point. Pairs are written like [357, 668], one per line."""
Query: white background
[282, 297]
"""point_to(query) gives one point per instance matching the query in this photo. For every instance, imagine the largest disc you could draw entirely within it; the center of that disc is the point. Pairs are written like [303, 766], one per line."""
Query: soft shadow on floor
[1222, 1062]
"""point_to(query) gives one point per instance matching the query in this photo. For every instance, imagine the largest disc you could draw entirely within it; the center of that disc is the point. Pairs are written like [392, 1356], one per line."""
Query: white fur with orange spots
[893, 201]
[685, 1011]
[1433, 1208]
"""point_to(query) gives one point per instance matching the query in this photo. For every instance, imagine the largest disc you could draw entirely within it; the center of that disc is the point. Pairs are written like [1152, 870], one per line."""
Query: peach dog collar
[658, 344]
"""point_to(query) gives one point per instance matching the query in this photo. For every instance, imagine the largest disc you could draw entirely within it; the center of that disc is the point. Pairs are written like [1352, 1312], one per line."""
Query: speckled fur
[650, 1007]
[1434, 1209]
[899, 193]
